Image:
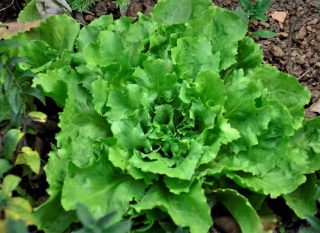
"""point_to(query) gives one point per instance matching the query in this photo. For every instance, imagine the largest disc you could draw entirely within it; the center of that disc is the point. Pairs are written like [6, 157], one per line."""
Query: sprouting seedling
[254, 10]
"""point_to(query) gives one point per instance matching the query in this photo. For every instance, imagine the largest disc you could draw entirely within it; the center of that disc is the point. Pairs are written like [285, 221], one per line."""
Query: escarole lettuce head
[164, 117]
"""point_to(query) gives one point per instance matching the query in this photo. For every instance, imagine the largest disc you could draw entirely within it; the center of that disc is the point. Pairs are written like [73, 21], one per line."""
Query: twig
[304, 74]
[292, 28]
[7, 7]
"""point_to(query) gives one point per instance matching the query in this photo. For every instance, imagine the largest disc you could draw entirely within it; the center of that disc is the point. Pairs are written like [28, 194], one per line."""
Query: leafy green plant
[314, 226]
[102, 225]
[15, 208]
[15, 85]
[168, 116]
[81, 5]
[16, 99]
[122, 3]
[254, 10]
[13, 226]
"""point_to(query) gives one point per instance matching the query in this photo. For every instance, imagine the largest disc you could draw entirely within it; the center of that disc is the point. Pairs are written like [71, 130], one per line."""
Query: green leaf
[10, 183]
[16, 226]
[155, 77]
[224, 29]
[84, 216]
[56, 87]
[237, 205]
[264, 34]
[294, 96]
[90, 33]
[11, 141]
[275, 183]
[29, 13]
[102, 191]
[30, 158]
[59, 32]
[202, 60]
[5, 166]
[52, 218]
[249, 54]
[95, 52]
[314, 228]
[186, 210]
[120, 227]
[205, 82]
[159, 165]
[19, 209]
[302, 200]
[175, 12]
[38, 117]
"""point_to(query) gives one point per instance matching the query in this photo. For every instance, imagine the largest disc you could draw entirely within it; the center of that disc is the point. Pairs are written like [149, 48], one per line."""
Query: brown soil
[105, 7]
[9, 9]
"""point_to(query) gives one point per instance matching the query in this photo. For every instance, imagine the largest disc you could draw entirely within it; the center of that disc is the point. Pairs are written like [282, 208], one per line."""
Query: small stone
[301, 59]
[315, 107]
[302, 33]
[265, 24]
[314, 21]
[89, 18]
[278, 52]
[309, 28]
[280, 16]
[309, 114]
[283, 34]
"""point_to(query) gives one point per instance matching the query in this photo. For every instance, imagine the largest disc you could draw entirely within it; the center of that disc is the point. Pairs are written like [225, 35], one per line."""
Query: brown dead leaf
[228, 224]
[315, 107]
[278, 52]
[301, 34]
[280, 16]
[13, 28]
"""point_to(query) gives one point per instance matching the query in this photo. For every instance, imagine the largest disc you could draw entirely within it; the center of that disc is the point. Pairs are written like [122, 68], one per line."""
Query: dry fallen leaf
[228, 224]
[13, 28]
[280, 16]
[315, 107]
[278, 52]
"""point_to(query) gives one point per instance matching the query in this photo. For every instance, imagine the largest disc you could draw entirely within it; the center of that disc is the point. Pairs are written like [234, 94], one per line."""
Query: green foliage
[314, 226]
[254, 10]
[29, 13]
[15, 226]
[15, 85]
[15, 208]
[102, 225]
[81, 5]
[264, 34]
[122, 3]
[165, 117]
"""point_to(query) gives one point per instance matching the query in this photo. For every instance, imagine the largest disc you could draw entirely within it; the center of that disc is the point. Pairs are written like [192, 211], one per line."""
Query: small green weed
[254, 10]
[81, 5]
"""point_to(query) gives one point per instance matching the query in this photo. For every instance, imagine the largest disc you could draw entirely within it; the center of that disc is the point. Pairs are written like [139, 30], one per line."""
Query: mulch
[9, 9]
